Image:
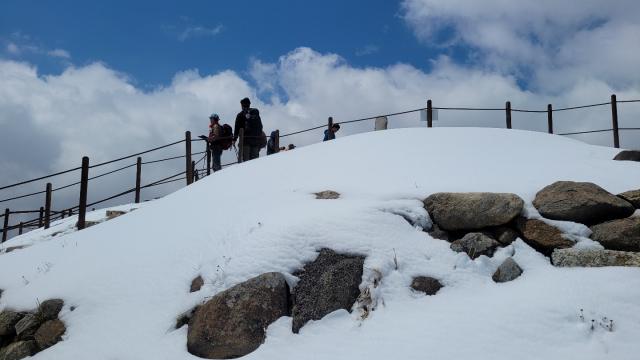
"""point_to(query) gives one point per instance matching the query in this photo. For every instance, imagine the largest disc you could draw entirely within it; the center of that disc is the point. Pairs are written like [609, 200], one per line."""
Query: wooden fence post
[84, 183]
[47, 208]
[20, 228]
[429, 114]
[41, 217]
[277, 142]
[6, 225]
[550, 118]
[188, 173]
[240, 145]
[508, 109]
[614, 117]
[64, 212]
[208, 158]
[138, 178]
[330, 126]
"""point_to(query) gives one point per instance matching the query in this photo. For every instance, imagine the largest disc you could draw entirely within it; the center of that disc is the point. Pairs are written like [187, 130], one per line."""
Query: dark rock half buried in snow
[470, 211]
[50, 309]
[507, 271]
[475, 244]
[8, 321]
[427, 285]
[328, 194]
[50, 333]
[632, 197]
[623, 234]
[628, 155]
[594, 258]
[233, 323]
[329, 283]
[19, 350]
[542, 236]
[580, 202]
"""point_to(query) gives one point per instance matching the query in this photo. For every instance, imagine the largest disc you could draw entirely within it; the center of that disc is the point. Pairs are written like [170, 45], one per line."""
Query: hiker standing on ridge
[334, 130]
[214, 141]
[271, 144]
[249, 120]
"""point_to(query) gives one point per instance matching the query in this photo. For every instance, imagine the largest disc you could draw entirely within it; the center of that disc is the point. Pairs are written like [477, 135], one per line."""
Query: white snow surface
[128, 278]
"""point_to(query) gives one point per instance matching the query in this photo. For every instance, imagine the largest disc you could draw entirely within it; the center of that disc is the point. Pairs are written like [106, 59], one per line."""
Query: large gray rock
[632, 197]
[507, 271]
[629, 155]
[623, 234]
[27, 327]
[542, 236]
[470, 211]
[580, 202]
[475, 244]
[19, 350]
[50, 333]
[8, 321]
[427, 285]
[50, 309]
[329, 283]
[594, 258]
[233, 323]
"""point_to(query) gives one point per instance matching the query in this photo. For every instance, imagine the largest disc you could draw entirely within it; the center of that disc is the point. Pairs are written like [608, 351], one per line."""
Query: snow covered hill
[128, 279]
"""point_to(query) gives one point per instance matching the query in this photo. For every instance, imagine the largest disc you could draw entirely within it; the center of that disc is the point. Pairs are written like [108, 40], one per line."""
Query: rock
[542, 236]
[1, 293]
[88, 224]
[196, 284]
[233, 323]
[438, 233]
[629, 155]
[12, 248]
[460, 211]
[427, 285]
[112, 214]
[505, 235]
[475, 244]
[632, 197]
[623, 234]
[27, 327]
[509, 270]
[8, 321]
[50, 309]
[328, 194]
[580, 202]
[50, 333]
[19, 350]
[594, 258]
[329, 283]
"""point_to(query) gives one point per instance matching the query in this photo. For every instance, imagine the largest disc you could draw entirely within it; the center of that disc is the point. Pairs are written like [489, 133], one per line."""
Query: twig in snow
[395, 258]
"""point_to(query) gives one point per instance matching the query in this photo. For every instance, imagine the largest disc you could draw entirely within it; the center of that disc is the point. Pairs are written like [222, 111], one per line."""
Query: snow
[128, 278]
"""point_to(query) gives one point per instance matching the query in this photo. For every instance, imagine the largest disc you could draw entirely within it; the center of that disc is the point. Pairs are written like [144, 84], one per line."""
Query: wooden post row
[508, 110]
[188, 172]
[84, 183]
[429, 114]
[138, 178]
[330, 125]
[6, 225]
[614, 118]
[240, 145]
[47, 207]
[550, 118]
[277, 141]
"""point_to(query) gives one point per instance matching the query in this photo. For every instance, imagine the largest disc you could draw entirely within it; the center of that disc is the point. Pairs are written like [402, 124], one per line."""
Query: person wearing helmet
[215, 133]
[249, 120]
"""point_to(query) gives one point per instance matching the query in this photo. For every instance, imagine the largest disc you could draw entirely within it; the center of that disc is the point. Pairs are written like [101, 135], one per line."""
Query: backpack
[253, 125]
[226, 137]
[263, 140]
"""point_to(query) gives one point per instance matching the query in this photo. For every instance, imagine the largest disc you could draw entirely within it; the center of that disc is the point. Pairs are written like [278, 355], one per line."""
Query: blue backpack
[253, 125]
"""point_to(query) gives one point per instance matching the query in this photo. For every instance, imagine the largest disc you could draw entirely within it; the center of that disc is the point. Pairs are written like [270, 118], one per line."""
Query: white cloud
[369, 49]
[59, 53]
[199, 31]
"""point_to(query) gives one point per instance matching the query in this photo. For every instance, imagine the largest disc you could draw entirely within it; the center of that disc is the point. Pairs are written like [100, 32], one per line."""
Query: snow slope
[129, 278]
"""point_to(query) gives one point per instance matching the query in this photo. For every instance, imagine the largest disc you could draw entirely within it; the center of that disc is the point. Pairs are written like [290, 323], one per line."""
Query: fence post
[41, 217]
[208, 158]
[277, 142]
[614, 117]
[20, 228]
[138, 178]
[187, 141]
[6, 225]
[508, 109]
[84, 183]
[240, 145]
[550, 118]
[429, 114]
[63, 213]
[47, 209]
[330, 125]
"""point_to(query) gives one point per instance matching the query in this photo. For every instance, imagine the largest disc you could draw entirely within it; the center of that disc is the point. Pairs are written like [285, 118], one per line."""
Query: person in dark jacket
[215, 133]
[271, 144]
[334, 130]
[251, 145]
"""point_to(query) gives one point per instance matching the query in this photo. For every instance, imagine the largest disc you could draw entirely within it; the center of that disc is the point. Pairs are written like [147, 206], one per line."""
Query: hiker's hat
[291, 146]
[214, 116]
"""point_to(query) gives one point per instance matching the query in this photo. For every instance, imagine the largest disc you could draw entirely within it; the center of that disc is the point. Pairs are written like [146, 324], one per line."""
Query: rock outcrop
[623, 234]
[580, 202]
[475, 245]
[507, 271]
[329, 283]
[427, 285]
[112, 214]
[233, 323]
[628, 155]
[471, 211]
[594, 258]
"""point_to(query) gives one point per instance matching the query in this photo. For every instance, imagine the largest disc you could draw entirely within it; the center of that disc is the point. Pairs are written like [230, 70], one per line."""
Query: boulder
[475, 244]
[542, 236]
[50, 333]
[507, 271]
[8, 321]
[233, 323]
[19, 350]
[505, 235]
[623, 234]
[328, 194]
[50, 309]
[629, 155]
[196, 284]
[27, 327]
[469, 211]
[329, 283]
[580, 202]
[594, 258]
[427, 285]
[633, 197]
[112, 214]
